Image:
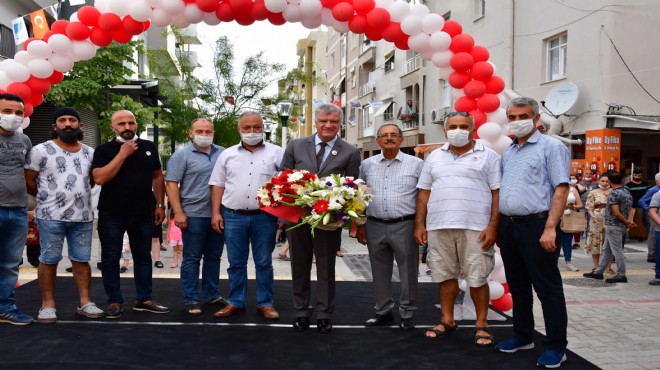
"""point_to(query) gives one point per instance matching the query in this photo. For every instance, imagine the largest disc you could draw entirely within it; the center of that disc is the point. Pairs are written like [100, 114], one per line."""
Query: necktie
[320, 154]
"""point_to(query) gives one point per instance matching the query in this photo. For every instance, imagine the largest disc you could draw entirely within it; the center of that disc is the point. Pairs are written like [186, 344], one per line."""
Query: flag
[39, 23]
[20, 32]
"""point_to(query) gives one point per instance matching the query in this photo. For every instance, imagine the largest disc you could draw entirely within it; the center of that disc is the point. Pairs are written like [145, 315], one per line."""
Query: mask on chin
[121, 139]
[521, 128]
[604, 187]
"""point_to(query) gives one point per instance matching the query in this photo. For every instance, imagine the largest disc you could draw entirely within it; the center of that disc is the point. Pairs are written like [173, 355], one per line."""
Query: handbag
[574, 222]
[32, 234]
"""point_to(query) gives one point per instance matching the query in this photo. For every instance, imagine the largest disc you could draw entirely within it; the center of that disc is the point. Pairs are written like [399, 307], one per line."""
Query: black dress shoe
[407, 323]
[379, 320]
[324, 326]
[301, 324]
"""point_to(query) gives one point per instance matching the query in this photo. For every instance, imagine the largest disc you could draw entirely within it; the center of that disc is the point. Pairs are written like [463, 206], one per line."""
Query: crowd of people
[456, 204]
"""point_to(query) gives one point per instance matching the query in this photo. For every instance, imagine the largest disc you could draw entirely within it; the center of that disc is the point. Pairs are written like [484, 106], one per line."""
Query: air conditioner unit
[438, 115]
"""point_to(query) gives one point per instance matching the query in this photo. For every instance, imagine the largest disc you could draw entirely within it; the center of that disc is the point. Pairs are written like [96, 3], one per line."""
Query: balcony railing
[367, 88]
[411, 65]
[406, 125]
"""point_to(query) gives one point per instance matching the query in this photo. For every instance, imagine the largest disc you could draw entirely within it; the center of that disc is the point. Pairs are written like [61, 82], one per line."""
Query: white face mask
[573, 182]
[203, 141]
[10, 122]
[252, 138]
[122, 140]
[604, 187]
[521, 128]
[458, 138]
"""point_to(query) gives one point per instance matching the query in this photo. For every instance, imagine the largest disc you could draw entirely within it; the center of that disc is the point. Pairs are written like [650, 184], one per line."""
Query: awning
[635, 121]
[428, 148]
[383, 108]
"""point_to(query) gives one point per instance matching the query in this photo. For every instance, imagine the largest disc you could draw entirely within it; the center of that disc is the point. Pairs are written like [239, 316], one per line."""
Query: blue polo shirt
[530, 174]
[192, 170]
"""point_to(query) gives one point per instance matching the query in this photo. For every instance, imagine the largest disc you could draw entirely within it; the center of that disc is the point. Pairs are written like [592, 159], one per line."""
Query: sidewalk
[614, 326]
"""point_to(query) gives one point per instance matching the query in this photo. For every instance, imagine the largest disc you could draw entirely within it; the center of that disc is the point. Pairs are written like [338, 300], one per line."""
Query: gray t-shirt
[588, 188]
[655, 203]
[13, 151]
[622, 197]
[192, 170]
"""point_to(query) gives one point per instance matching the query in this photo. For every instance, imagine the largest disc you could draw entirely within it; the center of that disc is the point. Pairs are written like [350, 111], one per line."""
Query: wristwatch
[160, 206]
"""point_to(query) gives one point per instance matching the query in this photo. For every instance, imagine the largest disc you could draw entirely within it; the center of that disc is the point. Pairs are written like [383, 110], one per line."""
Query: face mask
[458, 138]
[203, 141]
[10, 122]
[252, 138]
[121, 138]
[521, 128]
[573, 182]
[604, 187]
[68, 136]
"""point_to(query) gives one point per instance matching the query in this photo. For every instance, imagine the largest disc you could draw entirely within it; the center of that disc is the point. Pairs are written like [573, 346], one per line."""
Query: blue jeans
[201, 242]
[567, 245]
[657, 254]
[13, 234]
[111, 233]
[528, 265]
[51, 239]
[241, 231]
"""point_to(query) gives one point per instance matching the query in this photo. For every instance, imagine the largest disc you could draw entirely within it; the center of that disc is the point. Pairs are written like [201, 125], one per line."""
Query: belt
[527, 218]
[244, 212]
[600, 206]
[393, 220]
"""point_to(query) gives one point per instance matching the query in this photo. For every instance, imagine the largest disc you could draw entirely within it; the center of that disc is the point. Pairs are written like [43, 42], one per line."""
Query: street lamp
[284, 111]
[268, 129]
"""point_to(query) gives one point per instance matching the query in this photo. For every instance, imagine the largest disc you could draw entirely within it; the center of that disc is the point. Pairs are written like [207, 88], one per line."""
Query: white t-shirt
[63, 188]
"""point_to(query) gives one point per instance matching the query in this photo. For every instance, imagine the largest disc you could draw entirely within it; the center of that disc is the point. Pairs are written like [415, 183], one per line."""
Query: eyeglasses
[390, 136]
[463, 114]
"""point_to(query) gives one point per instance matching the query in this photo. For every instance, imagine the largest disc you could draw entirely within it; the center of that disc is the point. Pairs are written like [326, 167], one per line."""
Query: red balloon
[2, 91]
[364, 6]
[36, 100]
[240, 6]
[77, 31]
[504, 303]
[482, 71]
[488, 103]
[59, 27]
[474, 89]
[56, 77]
[402, 42]
[479, 117]
[461, 62]
[480, 53]
[452, 27]
[225, 12]
[495, 85]
[358, 24]
[21, 89]
[207, 6]
[461, 43]
[459, 79]
[89, 15]
[28, 110]
[244, 19]
[506, 287]
[329, 3]
[145, 25]
[465, 104]
[27, 42]
[121, 36]
[378, 18]
[131, 26]
[99, 37]
[392, 32]
[342, 12]
[109, 22]
[259, 12]
[373, 34]
[38, 86]
[276, 19]
[47, 35]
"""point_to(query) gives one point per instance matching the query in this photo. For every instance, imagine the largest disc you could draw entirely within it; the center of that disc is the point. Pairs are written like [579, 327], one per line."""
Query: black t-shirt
[130, 191]
[637, 191]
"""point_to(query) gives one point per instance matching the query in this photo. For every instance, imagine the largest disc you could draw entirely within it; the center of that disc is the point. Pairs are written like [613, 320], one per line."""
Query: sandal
[90, 310]
[489, 336]
[47, 315]
[193, 309]
[283, 257]
[439, 334]
[174, 265]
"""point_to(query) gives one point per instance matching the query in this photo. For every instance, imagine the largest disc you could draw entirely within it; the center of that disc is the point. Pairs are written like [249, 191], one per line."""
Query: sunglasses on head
[454, 114]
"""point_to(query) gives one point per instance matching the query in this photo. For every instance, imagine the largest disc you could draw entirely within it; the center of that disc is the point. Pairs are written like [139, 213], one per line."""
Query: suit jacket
[343, 159]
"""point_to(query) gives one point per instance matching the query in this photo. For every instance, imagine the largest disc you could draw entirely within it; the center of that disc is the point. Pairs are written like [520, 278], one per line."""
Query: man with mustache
[128, 168]
[57, 174]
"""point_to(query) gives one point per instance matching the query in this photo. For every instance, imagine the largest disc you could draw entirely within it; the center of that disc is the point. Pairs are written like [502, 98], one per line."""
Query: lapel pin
[334, 152]
[148, 152]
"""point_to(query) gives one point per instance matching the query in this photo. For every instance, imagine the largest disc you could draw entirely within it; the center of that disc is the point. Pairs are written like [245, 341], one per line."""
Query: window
[556, 62]
[342, 51]
[366, 123]
[389, 63]
[7, 46]
[479, 9]
[388, 115]
[446, 94]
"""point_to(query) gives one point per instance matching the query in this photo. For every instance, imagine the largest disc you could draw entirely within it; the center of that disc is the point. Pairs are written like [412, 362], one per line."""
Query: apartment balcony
[188, 36]
[367, 88]
[410, 71]
[189, 58]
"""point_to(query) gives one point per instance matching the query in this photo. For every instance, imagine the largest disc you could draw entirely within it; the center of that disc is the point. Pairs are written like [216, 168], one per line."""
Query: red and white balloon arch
[465, 65]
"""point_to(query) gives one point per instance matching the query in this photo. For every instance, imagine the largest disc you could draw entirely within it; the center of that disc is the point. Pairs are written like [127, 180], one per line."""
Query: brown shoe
[228, 311]
[269, 312]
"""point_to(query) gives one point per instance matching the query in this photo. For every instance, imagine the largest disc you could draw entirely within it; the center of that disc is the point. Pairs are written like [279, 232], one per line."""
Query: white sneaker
[570, 267]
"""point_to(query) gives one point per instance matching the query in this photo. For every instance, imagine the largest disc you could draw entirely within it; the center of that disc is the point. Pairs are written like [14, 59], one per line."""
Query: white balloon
[326, 17]
[61, 62]
[83, 50]
[275, 6]
[312, 22]
[180, 22]
[441, 59]
[4, 80]
[411, 25]
[192, 14]
[294, 2]
[173, 7]
[26, 123]
[457, 93]
[463, 285]
[496, 290]
[310, 8]
[23, 57]
[341, 27]
[292, 13]
[398, 10]
[489, 131]
[426, 54]
[60, 44]
[445, 72]
[160, 18]
[39, 49]
[211, 19]
[40, 68]
[17, 72]
[503, 100]
[505, 129]
[384, 3]
[501, 144]
[420, 10]
[497, 116]
[440, 41]
[5, 63]
[140, 11]
[154, 3]
[102, 6]
[486, 143]
[419, 42]
[120, 7]
[74, 17]
[494, 66]
[498, 261]
[432, 23]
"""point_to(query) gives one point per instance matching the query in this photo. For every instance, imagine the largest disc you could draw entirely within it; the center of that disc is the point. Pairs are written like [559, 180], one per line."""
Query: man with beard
[57, 174]
[128, 168]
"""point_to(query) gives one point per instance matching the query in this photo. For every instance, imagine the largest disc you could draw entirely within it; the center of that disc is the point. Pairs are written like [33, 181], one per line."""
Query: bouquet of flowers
[278, 196]
[408, 117]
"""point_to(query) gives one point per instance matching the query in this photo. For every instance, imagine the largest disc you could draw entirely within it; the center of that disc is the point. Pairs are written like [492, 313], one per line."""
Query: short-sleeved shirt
[655, 203]
[393, 183]
[530, 174]
[637, 191]
[63, 189]
[461, 187]
[130, 191]
[241, 172]
[622, 197]
[587, 189]
[13, 152]
[192, 168]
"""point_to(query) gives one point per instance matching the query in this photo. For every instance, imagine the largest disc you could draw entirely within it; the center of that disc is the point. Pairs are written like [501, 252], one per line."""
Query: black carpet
[176, 340]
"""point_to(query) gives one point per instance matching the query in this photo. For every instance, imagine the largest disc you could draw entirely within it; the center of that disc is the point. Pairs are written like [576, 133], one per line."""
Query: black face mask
[70, 136]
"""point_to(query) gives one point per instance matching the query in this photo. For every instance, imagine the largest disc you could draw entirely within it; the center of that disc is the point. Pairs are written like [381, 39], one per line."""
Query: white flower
[295, 176]
[326, 218]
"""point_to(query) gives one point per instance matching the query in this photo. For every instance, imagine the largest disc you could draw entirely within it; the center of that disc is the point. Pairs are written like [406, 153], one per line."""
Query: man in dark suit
[323, 153]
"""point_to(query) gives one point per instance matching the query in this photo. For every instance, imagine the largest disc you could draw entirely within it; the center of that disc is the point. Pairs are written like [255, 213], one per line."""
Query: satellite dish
[561, 98]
